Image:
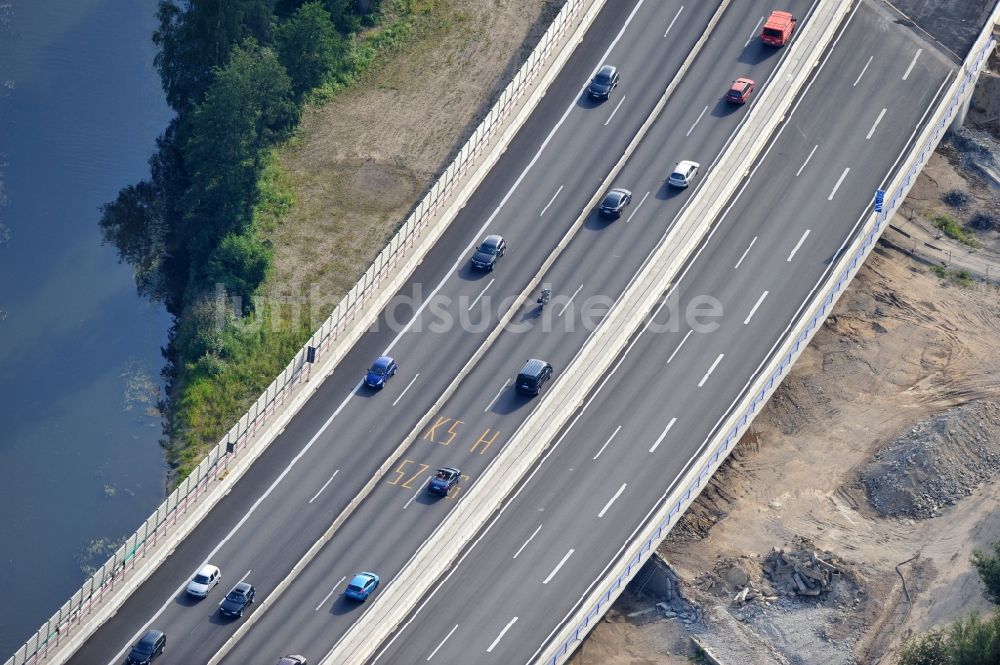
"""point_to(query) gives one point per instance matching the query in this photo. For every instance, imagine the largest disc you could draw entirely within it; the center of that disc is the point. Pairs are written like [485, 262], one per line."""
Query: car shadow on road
[756, 53]
[426, 498]
[667, 191]
[585, 101]
[185, 599]
[470, 274]
[510, 401]
[343, 605]
[220, 619]
[724, 109]
[597, 222]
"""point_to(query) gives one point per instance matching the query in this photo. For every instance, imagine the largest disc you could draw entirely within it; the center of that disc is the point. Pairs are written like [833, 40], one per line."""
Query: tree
[988, 566]
[309, 46]
[142, 220]
[969, 641]
[248, 108]
[240, 264]
[196, 36]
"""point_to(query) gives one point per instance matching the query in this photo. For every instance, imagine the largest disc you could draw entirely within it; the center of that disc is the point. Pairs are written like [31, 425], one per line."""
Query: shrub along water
[237, 73]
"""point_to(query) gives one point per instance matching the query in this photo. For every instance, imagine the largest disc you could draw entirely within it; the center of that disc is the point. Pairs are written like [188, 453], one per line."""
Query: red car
[740, 91]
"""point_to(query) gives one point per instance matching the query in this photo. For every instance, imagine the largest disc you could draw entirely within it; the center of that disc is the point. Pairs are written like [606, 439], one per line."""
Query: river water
[80, 108]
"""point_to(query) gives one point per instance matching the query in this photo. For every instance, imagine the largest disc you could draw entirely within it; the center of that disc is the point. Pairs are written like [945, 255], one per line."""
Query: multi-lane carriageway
[645, 423]
[639, 429]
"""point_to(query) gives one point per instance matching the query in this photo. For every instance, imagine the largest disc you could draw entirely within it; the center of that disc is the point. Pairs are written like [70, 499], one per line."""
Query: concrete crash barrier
[437, 554]
[105, 592]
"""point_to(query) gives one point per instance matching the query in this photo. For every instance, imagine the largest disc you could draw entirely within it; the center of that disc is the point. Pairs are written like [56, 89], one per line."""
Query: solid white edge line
[610, 501]
[676, 16]
[551, 200]
[479, 296]
[324, 485]
[396, 401]
[877, 120]
[863, 70]
[327, 597]
[503, 632]
[686, 335]
[530, 538]
[663, 435]
[753, 310]
[629, 218]
[618, 106]
[797, 246]
[610, 438]
[441, 643]
[711, 369]
[799, 172]
[912, 63]
[558, 566]
[494, 400]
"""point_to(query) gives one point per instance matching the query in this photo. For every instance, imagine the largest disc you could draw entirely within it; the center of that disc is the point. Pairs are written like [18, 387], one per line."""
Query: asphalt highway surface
[534, 194]
[590, 274]
[642, 426]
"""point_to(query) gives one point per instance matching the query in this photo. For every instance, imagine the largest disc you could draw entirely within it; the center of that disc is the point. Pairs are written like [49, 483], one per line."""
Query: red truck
[778, 28]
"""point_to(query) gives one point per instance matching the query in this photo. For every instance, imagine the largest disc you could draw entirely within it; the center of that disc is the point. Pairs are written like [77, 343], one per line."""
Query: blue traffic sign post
[879, 199]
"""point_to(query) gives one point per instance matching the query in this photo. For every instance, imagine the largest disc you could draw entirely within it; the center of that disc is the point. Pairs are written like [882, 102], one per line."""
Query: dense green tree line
[971, 640]
[236, 72]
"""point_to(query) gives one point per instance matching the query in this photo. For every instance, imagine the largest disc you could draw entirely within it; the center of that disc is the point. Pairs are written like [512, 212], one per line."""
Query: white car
[684, 173]
[204, 581]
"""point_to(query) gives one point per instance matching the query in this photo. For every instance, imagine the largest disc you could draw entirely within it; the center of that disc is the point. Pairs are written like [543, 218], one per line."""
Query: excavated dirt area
[880, 453]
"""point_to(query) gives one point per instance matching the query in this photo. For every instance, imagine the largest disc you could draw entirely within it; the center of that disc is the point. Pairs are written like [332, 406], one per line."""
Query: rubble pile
[936, 463]
[800, 573]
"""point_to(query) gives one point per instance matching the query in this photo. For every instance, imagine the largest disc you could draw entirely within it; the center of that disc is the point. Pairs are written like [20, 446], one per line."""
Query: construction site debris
[935, 463]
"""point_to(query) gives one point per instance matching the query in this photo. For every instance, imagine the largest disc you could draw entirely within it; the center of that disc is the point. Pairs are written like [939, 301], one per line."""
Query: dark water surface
[80, 107]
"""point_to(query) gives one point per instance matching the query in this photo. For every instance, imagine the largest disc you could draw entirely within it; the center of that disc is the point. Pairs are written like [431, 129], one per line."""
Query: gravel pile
[939, 461]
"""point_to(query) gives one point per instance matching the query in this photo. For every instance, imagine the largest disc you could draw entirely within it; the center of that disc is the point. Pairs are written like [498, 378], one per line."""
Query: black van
[532, 376]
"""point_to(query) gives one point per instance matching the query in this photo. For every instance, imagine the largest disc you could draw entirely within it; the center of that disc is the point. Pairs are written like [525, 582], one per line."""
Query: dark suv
[492, 248]
[532, 376]
[149, 647]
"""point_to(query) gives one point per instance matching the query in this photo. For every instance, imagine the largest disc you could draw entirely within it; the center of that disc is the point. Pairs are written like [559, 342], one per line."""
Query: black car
[238, 599]
[614, 202]
[491, 249]
[603, 82]
[149, 647]
[444, 480]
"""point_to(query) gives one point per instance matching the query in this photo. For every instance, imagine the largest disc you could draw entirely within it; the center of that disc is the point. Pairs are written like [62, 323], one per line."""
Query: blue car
[361, 586]
[381, 370]
[444, 480]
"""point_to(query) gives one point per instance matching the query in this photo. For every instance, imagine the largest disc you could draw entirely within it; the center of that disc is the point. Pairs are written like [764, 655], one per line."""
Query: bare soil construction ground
[880, 450]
